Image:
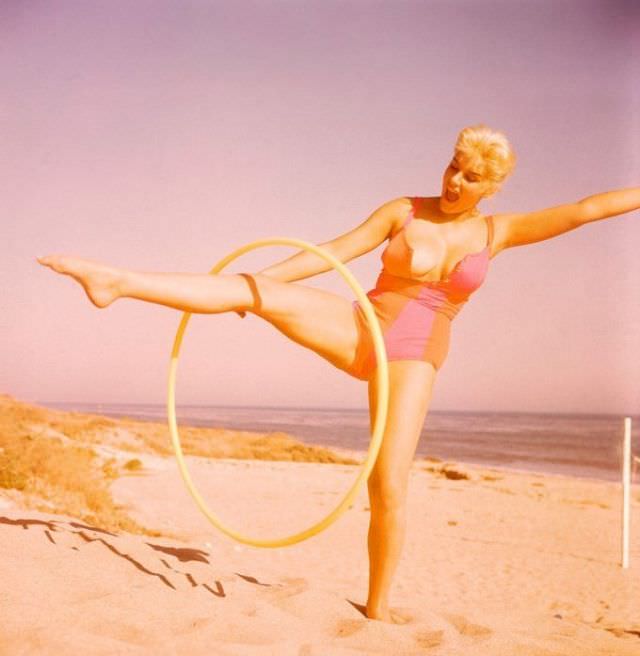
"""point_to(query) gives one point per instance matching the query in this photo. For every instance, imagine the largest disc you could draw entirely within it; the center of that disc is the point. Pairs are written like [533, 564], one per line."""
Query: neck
[456, 216]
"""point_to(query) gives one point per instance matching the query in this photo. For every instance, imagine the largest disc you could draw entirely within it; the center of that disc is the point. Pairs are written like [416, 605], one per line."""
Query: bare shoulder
[395, 212]
[375, 229]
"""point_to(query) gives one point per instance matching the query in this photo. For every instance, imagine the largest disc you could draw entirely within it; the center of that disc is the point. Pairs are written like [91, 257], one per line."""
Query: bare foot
[392, 616]
[100, 282]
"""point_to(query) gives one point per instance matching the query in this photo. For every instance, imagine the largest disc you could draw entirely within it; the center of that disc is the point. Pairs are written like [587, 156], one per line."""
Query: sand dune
[495, 563]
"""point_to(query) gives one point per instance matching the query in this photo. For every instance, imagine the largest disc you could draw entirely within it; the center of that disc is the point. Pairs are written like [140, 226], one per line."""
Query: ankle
[123, 283]
[377, 607]
[377, 613]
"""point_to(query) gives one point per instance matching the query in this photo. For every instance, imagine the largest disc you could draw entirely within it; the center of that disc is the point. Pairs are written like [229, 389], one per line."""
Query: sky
[160, 136]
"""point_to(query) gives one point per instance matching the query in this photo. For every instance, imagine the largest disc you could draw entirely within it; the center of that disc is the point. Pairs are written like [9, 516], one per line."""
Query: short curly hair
[493, 148]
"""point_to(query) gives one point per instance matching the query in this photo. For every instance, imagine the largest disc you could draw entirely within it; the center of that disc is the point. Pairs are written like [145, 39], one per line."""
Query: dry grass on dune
[45, 470]
[222, 443]
[146, 436]
[60, 462]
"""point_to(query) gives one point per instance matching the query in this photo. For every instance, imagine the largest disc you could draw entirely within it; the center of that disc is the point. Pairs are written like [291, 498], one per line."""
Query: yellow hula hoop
[381, 409]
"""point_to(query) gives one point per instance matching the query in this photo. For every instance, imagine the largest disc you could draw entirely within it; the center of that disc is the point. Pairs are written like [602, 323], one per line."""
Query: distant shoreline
[184, 406]
[440, 439]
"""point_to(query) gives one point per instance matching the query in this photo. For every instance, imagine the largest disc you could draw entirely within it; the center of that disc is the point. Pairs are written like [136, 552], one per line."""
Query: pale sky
[161, 135]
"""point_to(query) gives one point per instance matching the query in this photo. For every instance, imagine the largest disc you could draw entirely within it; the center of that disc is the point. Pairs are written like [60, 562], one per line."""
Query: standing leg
[410, 386]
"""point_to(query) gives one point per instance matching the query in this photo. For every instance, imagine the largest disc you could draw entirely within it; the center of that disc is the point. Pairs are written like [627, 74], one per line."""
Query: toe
[46, 260]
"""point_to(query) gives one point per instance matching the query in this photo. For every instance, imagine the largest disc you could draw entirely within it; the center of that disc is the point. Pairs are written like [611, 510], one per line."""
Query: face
[463, 184]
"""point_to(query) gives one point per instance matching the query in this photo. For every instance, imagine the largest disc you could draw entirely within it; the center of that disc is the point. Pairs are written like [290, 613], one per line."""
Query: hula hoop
[381, 410]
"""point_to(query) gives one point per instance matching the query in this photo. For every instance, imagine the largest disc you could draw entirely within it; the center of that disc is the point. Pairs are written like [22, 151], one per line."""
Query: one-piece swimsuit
[415, 315]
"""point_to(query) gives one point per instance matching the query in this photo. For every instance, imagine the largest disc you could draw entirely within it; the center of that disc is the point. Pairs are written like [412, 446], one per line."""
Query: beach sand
[495, 562]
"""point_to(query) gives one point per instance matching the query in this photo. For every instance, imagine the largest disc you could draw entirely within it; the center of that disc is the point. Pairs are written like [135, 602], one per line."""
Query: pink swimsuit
[415, 315]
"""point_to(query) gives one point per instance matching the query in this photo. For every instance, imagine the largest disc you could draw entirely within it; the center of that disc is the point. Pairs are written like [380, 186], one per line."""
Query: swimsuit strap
[414, 202]
[489, 220]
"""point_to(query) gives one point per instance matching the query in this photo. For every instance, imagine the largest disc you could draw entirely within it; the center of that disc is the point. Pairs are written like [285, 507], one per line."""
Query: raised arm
[520, 229]
[362, 239]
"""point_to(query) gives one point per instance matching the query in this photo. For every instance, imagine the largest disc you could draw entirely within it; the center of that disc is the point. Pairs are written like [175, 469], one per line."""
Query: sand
[495, 563]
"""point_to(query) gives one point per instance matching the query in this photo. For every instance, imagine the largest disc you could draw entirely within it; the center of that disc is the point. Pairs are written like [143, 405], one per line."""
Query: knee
[387, 493]
[252, 280]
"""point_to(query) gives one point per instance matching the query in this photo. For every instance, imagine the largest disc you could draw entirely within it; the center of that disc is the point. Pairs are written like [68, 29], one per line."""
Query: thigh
[316, 319]
[410, 389]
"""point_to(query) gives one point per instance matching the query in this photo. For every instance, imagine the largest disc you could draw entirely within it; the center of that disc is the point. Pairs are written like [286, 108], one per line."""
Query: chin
[444, 205]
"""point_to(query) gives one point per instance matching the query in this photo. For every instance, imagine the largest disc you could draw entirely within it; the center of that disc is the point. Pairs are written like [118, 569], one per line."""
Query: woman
[438, 255]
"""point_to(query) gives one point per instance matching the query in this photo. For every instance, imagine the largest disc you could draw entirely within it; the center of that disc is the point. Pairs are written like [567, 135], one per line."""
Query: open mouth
[451, 196]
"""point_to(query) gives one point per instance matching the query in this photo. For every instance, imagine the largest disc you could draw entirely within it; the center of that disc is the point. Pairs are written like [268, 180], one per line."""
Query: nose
[455, 178]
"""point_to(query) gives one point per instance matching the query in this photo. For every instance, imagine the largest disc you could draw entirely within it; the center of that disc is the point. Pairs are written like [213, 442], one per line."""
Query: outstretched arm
[520, 229]
[362, 239]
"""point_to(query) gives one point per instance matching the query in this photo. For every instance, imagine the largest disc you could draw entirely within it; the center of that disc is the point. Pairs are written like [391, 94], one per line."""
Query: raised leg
[316, 319]
[410, 387]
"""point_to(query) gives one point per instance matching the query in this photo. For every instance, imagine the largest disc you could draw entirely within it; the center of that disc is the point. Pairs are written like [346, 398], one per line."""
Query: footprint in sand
[345, 628]
[467, 628]
[402, 615]
[429, 639]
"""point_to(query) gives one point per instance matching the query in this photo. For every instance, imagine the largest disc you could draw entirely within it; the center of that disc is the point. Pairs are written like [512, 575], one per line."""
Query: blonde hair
[493, 148]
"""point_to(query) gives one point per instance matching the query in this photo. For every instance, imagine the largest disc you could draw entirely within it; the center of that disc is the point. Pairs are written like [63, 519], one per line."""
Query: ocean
[587, 446]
